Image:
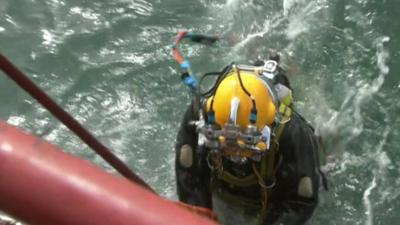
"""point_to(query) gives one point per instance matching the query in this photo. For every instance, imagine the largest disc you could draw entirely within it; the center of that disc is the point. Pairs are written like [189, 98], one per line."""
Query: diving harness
[258, 147]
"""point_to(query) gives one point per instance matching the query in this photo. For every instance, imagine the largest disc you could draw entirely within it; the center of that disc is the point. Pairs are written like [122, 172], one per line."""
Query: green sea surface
[109, 64]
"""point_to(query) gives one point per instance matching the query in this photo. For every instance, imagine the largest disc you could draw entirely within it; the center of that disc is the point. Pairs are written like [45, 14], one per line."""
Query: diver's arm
[302, 183]
[192, 172]
[282, 78]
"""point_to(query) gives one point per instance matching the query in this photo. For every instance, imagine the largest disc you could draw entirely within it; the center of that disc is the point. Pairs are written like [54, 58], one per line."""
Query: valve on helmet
[270, 69]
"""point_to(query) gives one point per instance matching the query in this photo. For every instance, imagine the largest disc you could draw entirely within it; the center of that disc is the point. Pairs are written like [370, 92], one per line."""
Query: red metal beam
[42, 185]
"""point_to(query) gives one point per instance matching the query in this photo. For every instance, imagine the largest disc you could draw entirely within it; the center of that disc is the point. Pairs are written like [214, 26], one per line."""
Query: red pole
[25, 83]
[42, 185]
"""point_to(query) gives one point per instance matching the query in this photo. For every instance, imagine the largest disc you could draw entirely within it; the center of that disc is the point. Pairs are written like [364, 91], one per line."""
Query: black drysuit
[299, 149]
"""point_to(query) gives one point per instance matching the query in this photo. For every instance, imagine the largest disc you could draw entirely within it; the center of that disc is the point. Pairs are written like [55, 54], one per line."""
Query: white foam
[383, 161]
[287, 5]
[382, 55]
[6, 218]
[299, 21]
[367, 203]
[233, 4]
[355, 99]
[9, 19]
[16, 120]
[267, 26]
[296, 27]
[48, 37]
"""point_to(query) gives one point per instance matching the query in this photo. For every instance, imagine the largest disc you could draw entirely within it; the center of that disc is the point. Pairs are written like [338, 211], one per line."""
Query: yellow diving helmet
[240, 114]
[231, 88]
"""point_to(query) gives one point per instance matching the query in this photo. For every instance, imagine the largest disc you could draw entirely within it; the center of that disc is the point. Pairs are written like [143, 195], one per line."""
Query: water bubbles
[106, 52]
[90, 17]
[382, 55]
[143, 8]
[50, 40]
[287, 5]
[48, 37]
[9, 19]
[296, 27]
[367, 202]
[301, 16]
[383, 160]
[233, 4]
[16, 120]
[75, 10]
[56, 3]
[33, 55]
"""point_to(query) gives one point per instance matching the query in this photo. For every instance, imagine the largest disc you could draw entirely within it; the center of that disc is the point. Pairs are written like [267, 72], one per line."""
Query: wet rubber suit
[294, 196]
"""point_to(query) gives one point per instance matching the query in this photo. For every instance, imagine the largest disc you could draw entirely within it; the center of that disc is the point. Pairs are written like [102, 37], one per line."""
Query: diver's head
[241, 112]
[230, 92]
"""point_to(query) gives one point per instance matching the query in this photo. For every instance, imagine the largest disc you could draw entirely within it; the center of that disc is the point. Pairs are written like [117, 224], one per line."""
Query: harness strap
[269, 165]
[216, 165]
[268, 168]
[240, 182]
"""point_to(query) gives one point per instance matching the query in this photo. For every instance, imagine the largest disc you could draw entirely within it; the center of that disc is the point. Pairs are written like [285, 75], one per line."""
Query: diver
[243, 151]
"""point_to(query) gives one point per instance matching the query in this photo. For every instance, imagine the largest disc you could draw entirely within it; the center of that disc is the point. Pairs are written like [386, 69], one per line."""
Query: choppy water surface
[108, 63]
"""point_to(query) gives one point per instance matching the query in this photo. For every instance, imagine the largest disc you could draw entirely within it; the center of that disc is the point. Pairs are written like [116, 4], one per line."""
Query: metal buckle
[271, 185]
